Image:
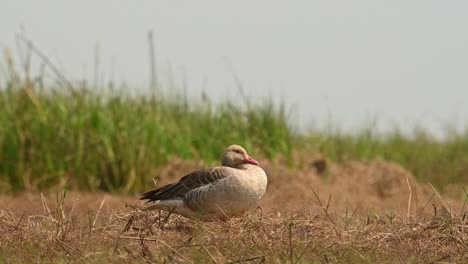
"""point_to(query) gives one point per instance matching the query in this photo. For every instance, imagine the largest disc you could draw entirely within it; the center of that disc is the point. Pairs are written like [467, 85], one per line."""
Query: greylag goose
[219, 192]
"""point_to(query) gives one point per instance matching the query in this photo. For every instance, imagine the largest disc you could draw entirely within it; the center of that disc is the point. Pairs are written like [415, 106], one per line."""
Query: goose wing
[186, 184]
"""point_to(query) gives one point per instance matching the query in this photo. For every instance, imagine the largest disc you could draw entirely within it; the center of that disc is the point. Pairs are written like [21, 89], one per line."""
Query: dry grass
[99, 228]
[320, 212]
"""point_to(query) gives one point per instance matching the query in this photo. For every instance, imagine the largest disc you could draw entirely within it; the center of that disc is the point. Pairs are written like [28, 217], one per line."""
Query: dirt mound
[365, 186]
[377, 185]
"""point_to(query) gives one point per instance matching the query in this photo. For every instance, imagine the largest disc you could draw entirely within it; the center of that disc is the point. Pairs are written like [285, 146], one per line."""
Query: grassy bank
[90, 140]
[116, 142]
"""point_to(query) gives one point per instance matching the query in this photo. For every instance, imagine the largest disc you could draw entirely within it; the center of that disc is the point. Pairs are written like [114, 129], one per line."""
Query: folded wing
[186, 184]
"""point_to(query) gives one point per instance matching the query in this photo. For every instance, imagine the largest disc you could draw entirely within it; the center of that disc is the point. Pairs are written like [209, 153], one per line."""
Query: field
[364, 212]
[301, 220]
[74, 157]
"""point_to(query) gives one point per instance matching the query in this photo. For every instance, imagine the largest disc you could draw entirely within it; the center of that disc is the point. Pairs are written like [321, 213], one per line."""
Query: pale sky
[345, 62]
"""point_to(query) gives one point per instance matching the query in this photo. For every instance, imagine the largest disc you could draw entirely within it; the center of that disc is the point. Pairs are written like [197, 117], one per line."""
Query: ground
[356, 212]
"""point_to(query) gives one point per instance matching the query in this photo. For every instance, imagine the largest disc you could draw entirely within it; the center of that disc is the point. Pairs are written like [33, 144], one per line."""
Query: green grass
[89, 140]
[116, 142]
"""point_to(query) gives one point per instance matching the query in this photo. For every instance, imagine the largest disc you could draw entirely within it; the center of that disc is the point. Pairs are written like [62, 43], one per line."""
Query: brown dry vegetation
[356, 212]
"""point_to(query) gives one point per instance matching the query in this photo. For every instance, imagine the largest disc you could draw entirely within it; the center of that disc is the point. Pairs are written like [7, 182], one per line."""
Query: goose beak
[248, 159]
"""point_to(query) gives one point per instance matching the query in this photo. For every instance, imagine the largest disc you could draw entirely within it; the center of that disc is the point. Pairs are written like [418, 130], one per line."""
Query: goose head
[235, 156]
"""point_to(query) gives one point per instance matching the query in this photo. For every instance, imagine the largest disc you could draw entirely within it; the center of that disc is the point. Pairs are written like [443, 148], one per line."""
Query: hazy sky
[405, 62]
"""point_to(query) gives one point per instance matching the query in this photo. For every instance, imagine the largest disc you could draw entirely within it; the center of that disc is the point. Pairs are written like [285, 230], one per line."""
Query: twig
[139, 238]
[442, 201]
[222, 211]
[96, 66]
[152, 62]
[409, 197]
[129, 251]
[189, 246]
[440, 259]
[328, 202]
[44, 207]
[427, 203]
[63, 244]
[304, 251]
[261, 212]
[355, 210]
[460, 241]
[132, 206]
[462, 213]
[128, 224]
[72, 209]
[325, 209]
[24, 58]
[19, 221]
[290, 242]
[144, 249]
[175, 251]
[262, 260]
[125, 229]
[46, 60]
[155, 181]
[211, 256]
[64, 248]
[98, 212]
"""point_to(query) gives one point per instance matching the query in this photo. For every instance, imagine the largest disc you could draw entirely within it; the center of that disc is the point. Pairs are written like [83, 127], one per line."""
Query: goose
[220, 192]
